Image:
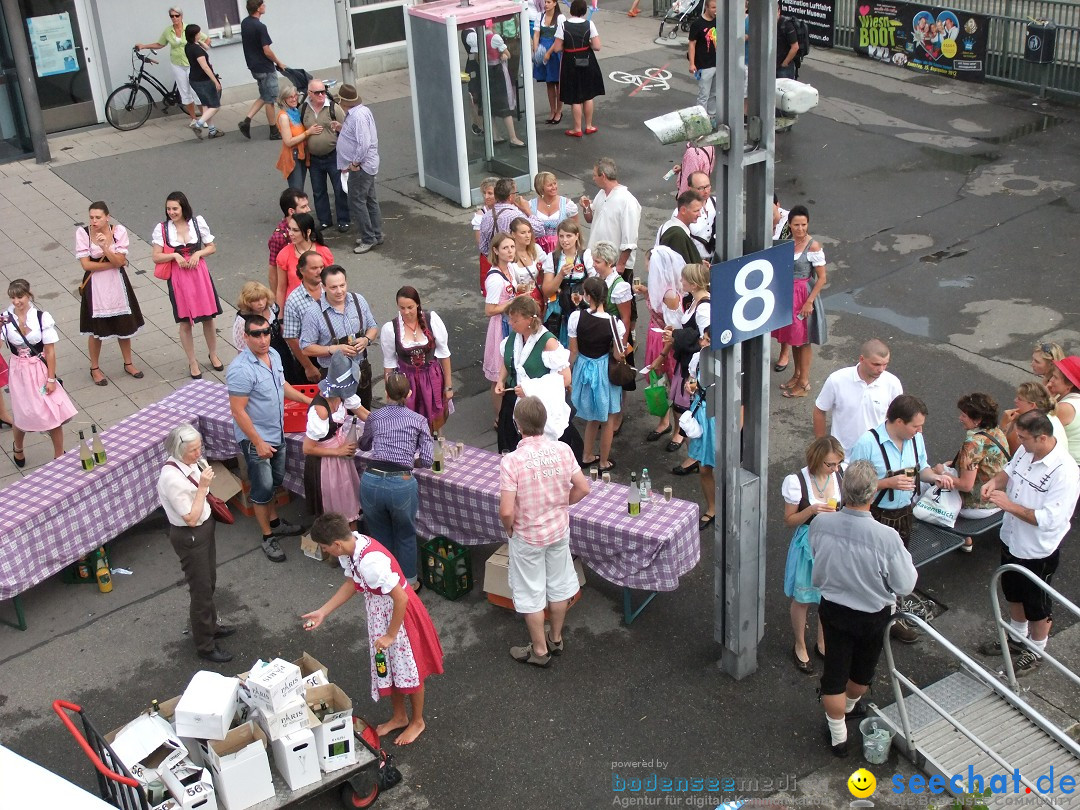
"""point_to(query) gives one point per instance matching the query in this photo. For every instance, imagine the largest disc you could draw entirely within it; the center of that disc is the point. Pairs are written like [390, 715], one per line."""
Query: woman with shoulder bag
[109, 307]
[181, 244]
[580, 77]
[292, 162]
[594, 336]
[814, 489]
[183, 490]
[39, 401]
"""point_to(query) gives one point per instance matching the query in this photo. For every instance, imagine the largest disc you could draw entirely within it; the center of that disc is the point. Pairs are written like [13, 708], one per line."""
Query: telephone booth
[471, 104]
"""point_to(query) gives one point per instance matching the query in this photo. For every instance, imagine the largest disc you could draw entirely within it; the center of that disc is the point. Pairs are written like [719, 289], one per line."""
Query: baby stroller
[680, 16]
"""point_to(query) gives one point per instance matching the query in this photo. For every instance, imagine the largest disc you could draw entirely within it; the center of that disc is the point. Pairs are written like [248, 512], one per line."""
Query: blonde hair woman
[551, 209]
[1043, 358]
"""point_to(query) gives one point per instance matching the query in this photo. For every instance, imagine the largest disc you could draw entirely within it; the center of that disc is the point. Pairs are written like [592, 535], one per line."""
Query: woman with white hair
[182, 487]
[173, 38]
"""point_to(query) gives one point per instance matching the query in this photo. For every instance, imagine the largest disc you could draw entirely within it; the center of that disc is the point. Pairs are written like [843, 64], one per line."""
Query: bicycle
[129, 105]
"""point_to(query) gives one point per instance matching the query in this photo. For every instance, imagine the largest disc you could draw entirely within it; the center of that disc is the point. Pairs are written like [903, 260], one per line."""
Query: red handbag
[219, 510]
[163, 270]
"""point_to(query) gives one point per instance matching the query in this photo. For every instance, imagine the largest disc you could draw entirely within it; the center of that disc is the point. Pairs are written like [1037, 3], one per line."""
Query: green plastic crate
[446, 567]
[70, 575]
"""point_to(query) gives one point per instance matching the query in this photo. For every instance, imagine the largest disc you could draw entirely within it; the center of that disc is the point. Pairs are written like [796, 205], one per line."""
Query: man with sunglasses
[257, 394]
[321, 108]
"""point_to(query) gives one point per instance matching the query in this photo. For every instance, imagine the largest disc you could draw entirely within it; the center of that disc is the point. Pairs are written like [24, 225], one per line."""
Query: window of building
[217, 11]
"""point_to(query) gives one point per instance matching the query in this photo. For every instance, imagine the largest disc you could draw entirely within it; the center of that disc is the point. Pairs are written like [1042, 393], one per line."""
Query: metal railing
[974, 669]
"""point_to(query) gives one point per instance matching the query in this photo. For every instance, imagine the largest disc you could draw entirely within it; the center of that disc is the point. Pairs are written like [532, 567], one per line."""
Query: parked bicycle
[129, 105]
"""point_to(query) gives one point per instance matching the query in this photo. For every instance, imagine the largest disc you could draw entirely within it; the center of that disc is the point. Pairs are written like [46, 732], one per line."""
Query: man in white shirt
[1037, 491]
[676, 232]
[614, 215]
[703, 229]
[858, 396]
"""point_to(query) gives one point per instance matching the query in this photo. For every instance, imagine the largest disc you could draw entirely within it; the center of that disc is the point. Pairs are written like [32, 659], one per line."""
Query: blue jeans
[319, 169]
[390, 504]
[265, 474]
[363, 207]
[298, 174]
[785, 72]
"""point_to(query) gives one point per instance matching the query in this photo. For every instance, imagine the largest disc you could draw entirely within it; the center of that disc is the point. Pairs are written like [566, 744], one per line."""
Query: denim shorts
[268, 88]
[208, 94]
[265, 474]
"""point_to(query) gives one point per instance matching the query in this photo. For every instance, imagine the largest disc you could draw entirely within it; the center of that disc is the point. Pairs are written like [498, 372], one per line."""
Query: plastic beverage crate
[446, 567]
[296, 412]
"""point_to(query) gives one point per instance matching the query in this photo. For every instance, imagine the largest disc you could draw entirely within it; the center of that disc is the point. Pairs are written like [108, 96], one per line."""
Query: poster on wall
[930, 39]
[818, 16]
[53, 44]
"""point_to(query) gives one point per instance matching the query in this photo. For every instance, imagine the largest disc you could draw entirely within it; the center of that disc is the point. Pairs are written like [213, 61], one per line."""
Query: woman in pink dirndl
[183, 241]
[40, 403]
[415, 343]
[398, 623]
[499, 291]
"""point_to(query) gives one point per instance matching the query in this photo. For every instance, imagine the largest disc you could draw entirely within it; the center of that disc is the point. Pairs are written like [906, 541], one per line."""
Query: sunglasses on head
[259, 332]
[1046, 348]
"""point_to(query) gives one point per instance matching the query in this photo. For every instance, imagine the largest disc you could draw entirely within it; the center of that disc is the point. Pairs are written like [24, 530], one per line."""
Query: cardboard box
[311, 548]
[334, 735]
[146, 745]
[225, 485]
[207, 707]
[497, 579]
[296, 760]
[241, 768]
[293, 717]
[312, 671]
[273, 686]
[192, 787]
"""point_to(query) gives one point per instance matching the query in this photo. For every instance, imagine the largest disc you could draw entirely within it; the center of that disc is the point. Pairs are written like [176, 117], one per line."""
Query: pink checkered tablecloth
[58, 513]
[650, 551]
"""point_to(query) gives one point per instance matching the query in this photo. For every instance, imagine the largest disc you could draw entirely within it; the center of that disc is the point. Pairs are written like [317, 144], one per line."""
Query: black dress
[123, 326]
[584, 82]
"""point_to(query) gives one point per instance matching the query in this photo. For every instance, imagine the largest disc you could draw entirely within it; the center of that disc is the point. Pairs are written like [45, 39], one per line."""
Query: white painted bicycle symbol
[651, 79]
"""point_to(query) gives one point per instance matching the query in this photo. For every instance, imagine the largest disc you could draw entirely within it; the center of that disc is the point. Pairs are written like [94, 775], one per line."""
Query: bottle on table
[438, 460]
[97, 446]
[104, 576]
[85, 456]
[633, 502]
[646, 485]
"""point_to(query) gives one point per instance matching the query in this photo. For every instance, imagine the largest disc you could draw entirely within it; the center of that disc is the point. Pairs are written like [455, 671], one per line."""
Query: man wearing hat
[1037, 491]
[358, 154]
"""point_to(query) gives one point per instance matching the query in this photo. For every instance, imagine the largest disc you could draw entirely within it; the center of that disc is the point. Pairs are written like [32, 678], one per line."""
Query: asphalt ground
[948, 216]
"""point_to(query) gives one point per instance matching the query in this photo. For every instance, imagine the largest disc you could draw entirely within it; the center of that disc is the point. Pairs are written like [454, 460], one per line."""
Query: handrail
[61, 707]
[978, 671]
[1003, 625]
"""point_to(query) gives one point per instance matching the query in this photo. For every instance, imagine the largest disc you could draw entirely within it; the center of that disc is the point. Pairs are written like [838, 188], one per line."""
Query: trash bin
[1040, 41]
[877, 740]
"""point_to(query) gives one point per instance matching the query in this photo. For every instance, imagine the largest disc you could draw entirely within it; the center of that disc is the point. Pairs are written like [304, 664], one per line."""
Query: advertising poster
[53, 44]
[818, 16]
[930, 39]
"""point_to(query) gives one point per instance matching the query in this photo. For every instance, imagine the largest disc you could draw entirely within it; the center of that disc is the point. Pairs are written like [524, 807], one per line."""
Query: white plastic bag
[689, 425]
[939, 506]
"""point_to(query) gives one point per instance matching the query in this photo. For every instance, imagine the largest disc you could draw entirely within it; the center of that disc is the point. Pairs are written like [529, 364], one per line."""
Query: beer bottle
[85, 456]
[97, 446]
[437, 459]
[633, 501]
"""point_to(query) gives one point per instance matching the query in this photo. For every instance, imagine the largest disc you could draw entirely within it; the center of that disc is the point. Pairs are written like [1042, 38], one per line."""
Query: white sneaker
[363, 247]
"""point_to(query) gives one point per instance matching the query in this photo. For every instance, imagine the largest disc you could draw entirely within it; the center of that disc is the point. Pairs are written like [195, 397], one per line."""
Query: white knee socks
[837, 730]
[1019, 627]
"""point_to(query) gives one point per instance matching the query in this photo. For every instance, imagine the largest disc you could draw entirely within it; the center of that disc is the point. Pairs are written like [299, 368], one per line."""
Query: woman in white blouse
[182, 487]
[183, 241]
[527, 267]
[415, 343]
[39, 402]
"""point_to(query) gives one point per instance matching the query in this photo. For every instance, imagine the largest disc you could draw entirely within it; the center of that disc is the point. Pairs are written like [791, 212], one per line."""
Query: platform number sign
[752, 295]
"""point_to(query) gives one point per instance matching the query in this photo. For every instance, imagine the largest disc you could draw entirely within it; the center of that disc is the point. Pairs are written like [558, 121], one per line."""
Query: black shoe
[218, 367]
[19, 462]
[476, 130]
[5, 425]
[343, 227]
[275, 135]
[693, 468]
[217, 656]
[993, 648]
[245, 128]
[224, 631]
[857, 711]
[840, 749]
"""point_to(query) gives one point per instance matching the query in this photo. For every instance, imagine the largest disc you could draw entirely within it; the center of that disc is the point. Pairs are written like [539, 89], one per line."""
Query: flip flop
[610, 466]
[574, 133]
[590, 130]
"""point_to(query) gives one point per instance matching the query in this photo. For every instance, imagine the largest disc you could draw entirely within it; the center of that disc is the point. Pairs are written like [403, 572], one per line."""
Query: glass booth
[472, 110]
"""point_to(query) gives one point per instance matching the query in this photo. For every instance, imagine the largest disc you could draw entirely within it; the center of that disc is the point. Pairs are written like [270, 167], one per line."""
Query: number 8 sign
[752, 295]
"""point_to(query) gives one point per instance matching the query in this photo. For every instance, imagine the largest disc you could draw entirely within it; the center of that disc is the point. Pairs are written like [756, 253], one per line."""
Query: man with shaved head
[857, 397]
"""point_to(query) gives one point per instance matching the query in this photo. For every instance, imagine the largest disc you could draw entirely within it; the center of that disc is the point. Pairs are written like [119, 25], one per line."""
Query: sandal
[787, 386]
[633, 12]
[19, 462]
[968, 546]
[103, 381]
[705, 522]
[610, 466]
[796, 392]
[138, 375]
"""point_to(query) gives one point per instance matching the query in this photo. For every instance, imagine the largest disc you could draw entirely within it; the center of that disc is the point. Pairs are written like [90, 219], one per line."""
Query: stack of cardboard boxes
[213, 752]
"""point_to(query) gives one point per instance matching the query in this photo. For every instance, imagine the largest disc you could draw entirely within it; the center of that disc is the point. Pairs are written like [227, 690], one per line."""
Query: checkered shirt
[539, 471]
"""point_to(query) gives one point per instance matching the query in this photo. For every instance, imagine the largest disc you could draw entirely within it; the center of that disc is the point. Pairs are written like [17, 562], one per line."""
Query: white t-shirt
[562, 20]
[438, 331]
[615, 219]
[856, 406]
[575, 316]
[792, 492]
[1050, 487]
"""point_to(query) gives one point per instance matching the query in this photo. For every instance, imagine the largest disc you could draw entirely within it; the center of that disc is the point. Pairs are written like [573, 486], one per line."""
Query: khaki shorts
[541, 574]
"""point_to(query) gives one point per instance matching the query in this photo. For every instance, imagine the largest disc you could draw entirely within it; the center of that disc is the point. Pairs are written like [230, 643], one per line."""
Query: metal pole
[741, 395]
[345, 45]
[24, 68]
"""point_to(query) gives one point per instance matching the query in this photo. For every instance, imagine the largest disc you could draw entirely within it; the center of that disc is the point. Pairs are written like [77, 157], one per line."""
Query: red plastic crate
[296, 412]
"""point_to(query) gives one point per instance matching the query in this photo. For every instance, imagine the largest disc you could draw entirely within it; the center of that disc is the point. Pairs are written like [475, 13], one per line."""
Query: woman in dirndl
[595, 336]
[398, 623]
[702, 449]
[808, 324]
[580, 78]
[551, 209]
[683, 342]
[499, 291]
[331, 482]
[109, 307]
[663, 298]
[183, 241]
[814, 489]
[547, 70]
[415, 343]
[565, 270]
[40, 403]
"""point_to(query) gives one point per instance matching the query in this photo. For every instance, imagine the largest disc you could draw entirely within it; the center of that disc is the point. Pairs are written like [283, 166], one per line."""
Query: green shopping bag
[656, 396]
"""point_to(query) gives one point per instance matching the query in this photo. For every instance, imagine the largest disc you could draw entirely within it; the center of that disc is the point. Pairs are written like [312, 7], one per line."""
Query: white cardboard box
[334, 735]
[274, 685]
[207, 707]
[293, 717]
[312, 671]
[296, 759]
[241, 768]
[192, 787]
[146, 745]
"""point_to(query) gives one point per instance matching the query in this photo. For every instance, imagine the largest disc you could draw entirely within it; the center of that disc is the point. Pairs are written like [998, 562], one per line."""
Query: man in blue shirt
[261, 61]
[257, 394]
[899, 456]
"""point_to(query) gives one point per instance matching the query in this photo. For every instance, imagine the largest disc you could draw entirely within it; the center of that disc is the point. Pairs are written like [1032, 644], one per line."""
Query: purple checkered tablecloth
[58, 513]
[650, 551]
